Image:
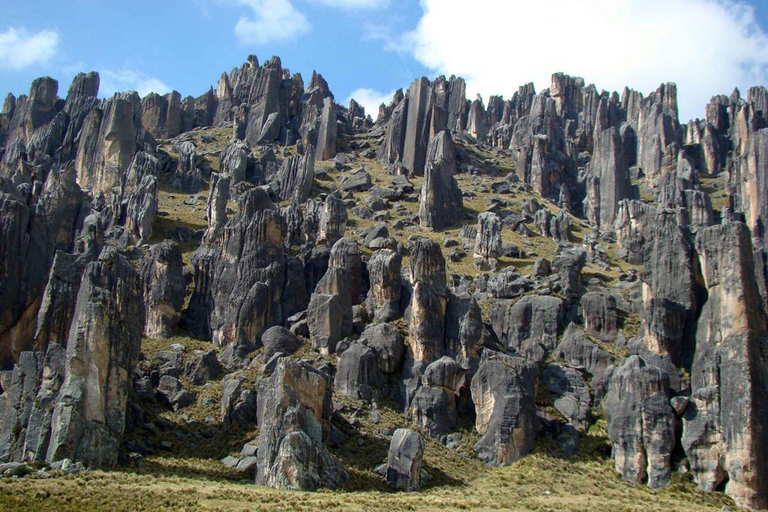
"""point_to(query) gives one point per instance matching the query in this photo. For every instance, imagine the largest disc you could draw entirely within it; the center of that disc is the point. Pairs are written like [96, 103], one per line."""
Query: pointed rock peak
[84, 84]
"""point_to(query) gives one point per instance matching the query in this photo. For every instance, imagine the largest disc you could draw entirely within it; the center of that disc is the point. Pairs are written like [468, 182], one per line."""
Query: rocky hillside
[260, 285]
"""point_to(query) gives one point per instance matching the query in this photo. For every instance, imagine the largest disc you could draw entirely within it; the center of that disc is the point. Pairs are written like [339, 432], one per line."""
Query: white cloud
[355, 4]
[370, 100]
[130, 80]
[20, 48]
[273, 21]
[393, 41]
[706, 46]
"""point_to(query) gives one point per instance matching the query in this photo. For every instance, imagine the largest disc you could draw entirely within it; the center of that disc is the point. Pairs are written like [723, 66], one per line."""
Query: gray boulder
[503, 391]
[488, 241]
[601, 317]
[383, 302]
[279, 340]
[529, 326]
[388, 345]
[188, 177]
[358, 374]
[325, 317]
[295, 178]
[404, 460]
[641, 423]
[294, 411]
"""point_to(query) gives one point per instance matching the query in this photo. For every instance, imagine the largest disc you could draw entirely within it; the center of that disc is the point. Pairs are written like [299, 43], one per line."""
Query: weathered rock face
[164, 288]
[26, 404]
[577, 349]
[161, 115]
[238, 405]
[268, 104]
[610, 181]
[669, 290]
[240, 277]
[722, 434]
[294, 181]
[335, 294]
[216, 209]
[463, 330]
[89, 416]
[233, 162]
[633, 225]
[571, 393]
[346, 257]
[748, 186]
[383, 302]
[188, 177]
[503, 392]
[404, 460]
[528, 326]
[568, 265]
[326, 134]
[358, 374]
[658, 129]
[111, 135]
[440, 204]
[332, 219]
[31, 236]
[433, 408]
[601, 318]
[294, 410]
[59, 299]
[388, 345]
[428, 301]
[641, 423]
[391, 150]
[325, 318]
[420, 100]
[135, 207]
[488, 241]
[539, 144]
[279, 340]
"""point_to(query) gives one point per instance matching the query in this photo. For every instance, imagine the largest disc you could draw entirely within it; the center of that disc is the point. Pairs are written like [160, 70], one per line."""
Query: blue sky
[371, 47]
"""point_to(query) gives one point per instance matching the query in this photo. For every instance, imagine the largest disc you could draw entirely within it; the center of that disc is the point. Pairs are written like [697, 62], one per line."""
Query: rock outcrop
[294, 418]
[383, 302]
[428, 301]
[641, 423]
[722, 434]
[440, 204]
[71, 403]
[503, 392]
[404, 460]
[164, 288]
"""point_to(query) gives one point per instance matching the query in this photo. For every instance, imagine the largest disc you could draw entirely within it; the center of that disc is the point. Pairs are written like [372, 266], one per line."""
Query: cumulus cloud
[20, 48]
[355, 4]
[273, 21]
[370, 99]
[130, 80]
[706, 46]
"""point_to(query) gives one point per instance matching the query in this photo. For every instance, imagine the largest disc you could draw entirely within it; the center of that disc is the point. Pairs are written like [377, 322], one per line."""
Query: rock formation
[294, 418]
[440, 204]
[620, 271]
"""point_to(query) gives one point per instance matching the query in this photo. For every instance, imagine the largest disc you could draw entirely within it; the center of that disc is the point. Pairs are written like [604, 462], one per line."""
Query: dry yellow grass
[542, 481]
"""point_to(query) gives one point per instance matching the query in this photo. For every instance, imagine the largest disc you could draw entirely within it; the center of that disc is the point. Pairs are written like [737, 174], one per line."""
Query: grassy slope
[189, 476]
